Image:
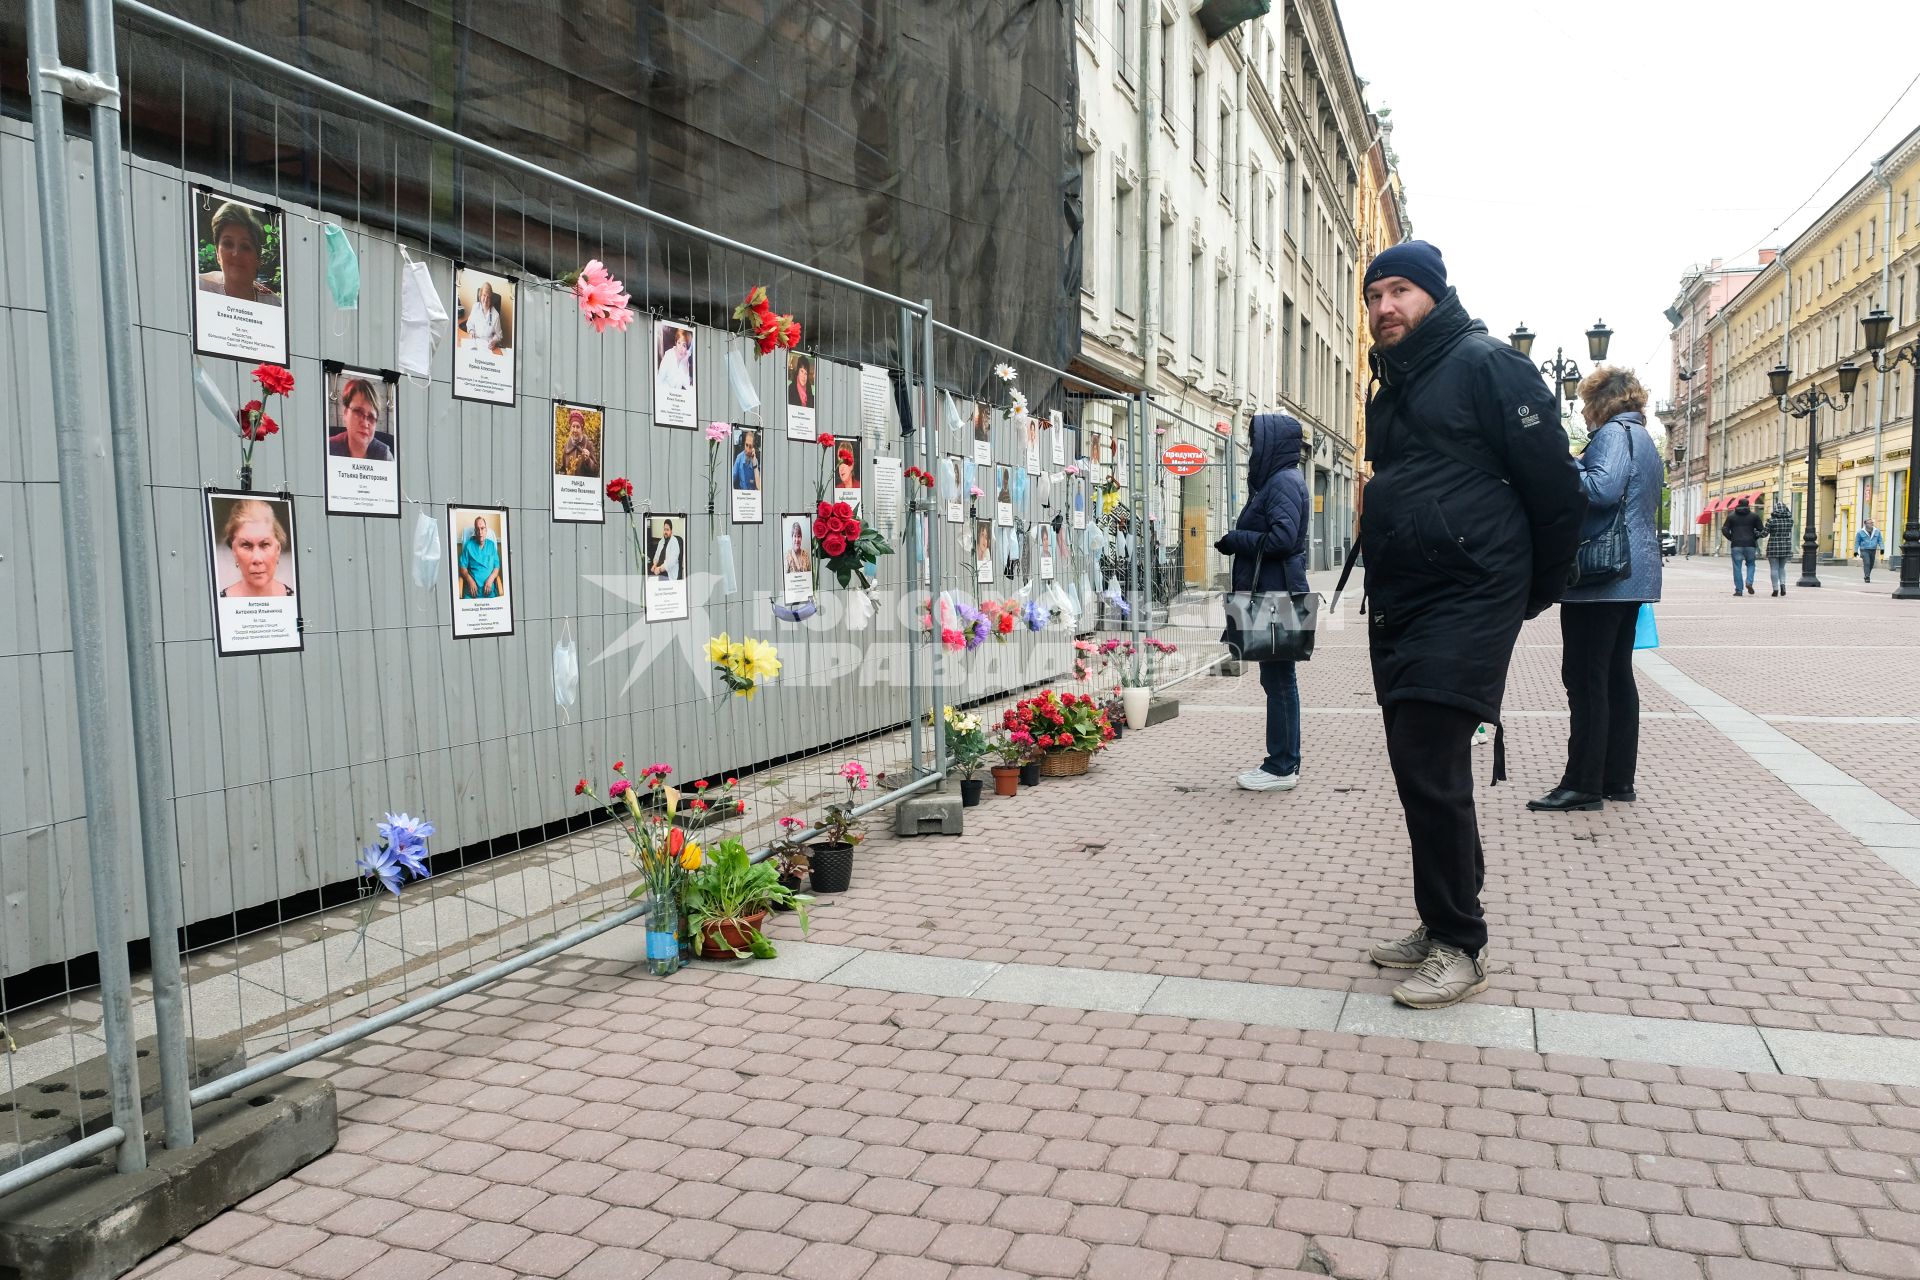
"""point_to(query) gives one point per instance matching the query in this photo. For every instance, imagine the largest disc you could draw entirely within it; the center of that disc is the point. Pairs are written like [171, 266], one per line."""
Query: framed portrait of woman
[482, 570]
[673, 372]
[362, 439]
[237, 263]
[483, 336]
[803, 395]
[578, 430]
[846, 470]
[796, 557]
[253, 572]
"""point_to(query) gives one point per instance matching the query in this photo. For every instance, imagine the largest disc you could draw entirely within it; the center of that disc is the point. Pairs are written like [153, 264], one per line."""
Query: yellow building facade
[1379, 223]
[1803, 310]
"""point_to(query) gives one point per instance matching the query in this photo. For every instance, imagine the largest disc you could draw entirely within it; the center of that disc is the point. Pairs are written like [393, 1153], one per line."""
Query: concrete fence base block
[92, 1223]
[1161, 710]
[929, 814]
[1232, 668]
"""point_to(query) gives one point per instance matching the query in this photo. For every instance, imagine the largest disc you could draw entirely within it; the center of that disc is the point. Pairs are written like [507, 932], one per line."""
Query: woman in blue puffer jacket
[1620, 467]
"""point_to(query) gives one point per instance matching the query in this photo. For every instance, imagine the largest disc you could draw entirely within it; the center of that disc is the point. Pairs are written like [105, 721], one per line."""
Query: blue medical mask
[343, 269]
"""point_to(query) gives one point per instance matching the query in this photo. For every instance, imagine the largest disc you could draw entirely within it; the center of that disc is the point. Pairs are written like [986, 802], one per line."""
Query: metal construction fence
[417, 596]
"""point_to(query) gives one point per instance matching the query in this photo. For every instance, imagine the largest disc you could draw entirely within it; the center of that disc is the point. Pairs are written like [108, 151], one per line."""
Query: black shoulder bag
[1270, 626]
[1606, 556]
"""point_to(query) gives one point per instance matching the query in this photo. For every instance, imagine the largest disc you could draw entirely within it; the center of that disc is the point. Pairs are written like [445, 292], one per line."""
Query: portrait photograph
[482, 574]
[667, 568]
[801, 395]
[746, 479]
[846, 470]
[483, 336]
[796, 558]
[363, 441]
[577, 434]
[952, 491]
[239, 288]
[255, 583]
[1080, 486]
[1003, 496]
[1030, 438]
[983, 435]
[983, 553]
[1057, 438]
[673, 403]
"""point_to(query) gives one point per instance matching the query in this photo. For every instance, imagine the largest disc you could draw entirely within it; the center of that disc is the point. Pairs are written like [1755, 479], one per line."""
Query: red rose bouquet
[844, 543]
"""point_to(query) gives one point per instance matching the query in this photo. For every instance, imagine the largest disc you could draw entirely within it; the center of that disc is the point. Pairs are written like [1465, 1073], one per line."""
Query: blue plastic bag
[1646, 635]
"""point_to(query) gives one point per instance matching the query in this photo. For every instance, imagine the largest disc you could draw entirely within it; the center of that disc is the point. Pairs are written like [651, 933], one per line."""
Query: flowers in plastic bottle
[718, 433]
[254, 422]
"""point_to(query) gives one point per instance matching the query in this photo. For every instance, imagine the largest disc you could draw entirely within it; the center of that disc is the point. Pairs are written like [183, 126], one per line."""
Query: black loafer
[1623, 796]
[1561, 800]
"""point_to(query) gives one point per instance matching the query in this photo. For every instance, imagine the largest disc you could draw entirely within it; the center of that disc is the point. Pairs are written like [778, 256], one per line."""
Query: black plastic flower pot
[832, 867]
[1030, 774]
[794, 883]
[970, 791]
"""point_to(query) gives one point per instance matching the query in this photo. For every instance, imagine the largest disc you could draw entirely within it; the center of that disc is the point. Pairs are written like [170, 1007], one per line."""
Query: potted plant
[966, 747]
[1011, 753]
[1066, 729]
[661, 849]
[729, 896]
[833, 856]
[792, 859]
[1137, 670]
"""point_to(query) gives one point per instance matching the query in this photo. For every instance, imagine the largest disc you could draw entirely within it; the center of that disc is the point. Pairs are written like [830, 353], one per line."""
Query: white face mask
[426, 552]
[566, 673]
[423, 320]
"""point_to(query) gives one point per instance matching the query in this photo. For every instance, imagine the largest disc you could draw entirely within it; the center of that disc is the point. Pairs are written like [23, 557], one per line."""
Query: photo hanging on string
[362, 436]
[983, 435]
[983, 553]
[673, 374]
[847, 452]
[579, 431]
[482, 572]
[485, 319]
[747, 479]
[796, 557]
[803, 394]
[667, 568]
[252, 572]
[237, 260]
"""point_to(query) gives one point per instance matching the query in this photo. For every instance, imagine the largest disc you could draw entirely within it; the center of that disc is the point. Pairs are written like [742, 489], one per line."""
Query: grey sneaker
[1261, 780]
[1409, 952]
[1448, 976]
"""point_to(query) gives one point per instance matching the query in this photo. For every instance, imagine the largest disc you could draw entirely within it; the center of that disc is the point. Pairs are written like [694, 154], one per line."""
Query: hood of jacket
[1276, 444]
[1443, 326]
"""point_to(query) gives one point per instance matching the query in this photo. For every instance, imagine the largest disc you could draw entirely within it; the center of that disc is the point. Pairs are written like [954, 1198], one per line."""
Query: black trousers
[1430, 748]
[1596, 665]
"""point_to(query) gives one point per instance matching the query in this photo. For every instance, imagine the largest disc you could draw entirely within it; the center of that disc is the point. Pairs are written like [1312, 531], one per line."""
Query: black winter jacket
[1743, 528]
[1272, 528]
[1473, 514]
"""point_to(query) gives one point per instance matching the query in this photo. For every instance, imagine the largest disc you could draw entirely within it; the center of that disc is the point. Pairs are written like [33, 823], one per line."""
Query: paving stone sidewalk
[586, 1120]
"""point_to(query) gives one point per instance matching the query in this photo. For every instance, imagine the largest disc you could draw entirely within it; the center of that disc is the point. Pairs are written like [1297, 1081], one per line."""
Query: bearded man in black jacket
[1469, 526]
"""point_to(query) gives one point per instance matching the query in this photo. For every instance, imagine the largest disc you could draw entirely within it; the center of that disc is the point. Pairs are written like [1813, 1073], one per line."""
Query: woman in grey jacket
[1620, 467]
[1779, 545]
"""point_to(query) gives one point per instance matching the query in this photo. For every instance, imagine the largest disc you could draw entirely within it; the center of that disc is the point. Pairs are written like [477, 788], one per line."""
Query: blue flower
[413, 857]
[378, 862]
[402, 830]
[1035, 615]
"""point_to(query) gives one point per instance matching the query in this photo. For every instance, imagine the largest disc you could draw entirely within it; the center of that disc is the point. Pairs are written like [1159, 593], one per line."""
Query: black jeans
[1596, 666]
[1430, 748]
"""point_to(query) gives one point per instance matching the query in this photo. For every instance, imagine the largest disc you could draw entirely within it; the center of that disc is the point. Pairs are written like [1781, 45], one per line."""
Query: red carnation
[846, 455]
[834, 545]
[273, 380]
[580, 787]
[699, 806]
[619, 766]
[768, 344]
[792, 335]
[826, 440]
[620, 489]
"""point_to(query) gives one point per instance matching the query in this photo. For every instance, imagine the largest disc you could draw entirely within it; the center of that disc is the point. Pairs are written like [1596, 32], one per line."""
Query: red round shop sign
[1184, 459]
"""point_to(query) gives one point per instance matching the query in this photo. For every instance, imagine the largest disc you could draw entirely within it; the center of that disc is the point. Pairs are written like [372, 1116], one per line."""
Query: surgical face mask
[426, 552]
[423, 320]
[566, 673]
[343, 269]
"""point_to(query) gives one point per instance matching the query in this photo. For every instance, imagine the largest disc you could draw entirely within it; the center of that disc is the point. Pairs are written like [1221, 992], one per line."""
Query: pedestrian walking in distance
[1779, 545]
[1269, 541]
[1867, 542]
[1742, 532]
[1620, 470]
[1469, 527]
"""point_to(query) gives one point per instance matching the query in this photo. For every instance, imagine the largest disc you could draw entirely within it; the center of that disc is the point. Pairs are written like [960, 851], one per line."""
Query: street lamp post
[1876, 325]
[1561, 371]
[1806, 404]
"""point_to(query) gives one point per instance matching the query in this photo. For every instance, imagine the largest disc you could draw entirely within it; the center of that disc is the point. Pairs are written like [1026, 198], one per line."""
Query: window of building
[1306, 365]
[1196, 302]
[1272, 207]
[1200, 117]
[1286, 345]
[1286, 192]
[1873, 229]
[1223, 321]
[1166, 67]
[1168, 325]
[1255, 228]
[1123, 37]
[1126, 221]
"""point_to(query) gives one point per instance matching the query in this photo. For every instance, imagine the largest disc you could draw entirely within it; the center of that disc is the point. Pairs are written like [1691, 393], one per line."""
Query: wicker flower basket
[1064, 764]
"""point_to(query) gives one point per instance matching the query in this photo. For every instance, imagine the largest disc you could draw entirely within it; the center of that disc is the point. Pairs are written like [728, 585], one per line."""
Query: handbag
[1606, 557]
[1270, 626]
[1646, 632]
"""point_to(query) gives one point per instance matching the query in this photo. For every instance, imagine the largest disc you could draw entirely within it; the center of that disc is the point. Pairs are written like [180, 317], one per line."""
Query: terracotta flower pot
[1006, 779]
[716, 936]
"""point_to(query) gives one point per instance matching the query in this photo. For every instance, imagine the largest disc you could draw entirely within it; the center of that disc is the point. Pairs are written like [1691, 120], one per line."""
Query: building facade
[1693, 381]
[1803, 309]
[1381, 223]
[1221, 249]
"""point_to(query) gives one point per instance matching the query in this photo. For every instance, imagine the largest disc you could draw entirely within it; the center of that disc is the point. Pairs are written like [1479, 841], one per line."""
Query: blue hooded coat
[1272, 527]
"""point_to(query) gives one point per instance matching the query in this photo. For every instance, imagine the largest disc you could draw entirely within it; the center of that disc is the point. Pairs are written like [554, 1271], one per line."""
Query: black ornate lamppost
[1806, 404]
[1562, 372]
[1876, 324]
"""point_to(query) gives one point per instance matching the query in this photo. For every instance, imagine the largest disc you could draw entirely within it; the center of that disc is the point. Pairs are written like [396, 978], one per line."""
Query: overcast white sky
[1572, 160]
